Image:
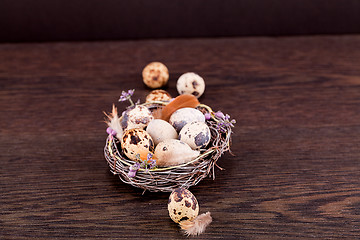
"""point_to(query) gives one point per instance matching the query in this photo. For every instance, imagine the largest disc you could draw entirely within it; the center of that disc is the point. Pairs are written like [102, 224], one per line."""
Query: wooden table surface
[296, 169]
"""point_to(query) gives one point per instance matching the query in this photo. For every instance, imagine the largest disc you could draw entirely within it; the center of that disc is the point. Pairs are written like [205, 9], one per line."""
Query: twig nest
[173, 152]
[137, 116]
[161, 130]
[158, 95]
[136, 143]
[183, 116]
[155, 75]
[196, 134]
[190, 83]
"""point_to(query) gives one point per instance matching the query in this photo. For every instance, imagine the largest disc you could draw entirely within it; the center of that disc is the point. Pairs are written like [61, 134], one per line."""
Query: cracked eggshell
[196, 134]
[158, 95]
[182, 205]
[155, 75]
[161, 130]
[136, 141]
[190, 83]
[173, 152]
[136, 117]
[183, 116]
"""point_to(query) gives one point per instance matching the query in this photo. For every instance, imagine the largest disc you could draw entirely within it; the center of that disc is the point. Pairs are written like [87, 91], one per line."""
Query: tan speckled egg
[158, 95]
[190, 83]
[196, 134]
[136, 141]
[155, 75]
[182, 205]
[161, 130]
[136, 117]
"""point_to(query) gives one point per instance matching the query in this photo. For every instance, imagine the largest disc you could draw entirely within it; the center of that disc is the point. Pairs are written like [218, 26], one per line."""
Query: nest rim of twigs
[166, 179]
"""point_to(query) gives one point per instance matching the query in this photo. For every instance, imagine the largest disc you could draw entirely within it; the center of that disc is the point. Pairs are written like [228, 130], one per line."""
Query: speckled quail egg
[182, 205]
[196, 134]
[183, 116]
[155, 75]
[136, 141]
[161, 130]
[173, 152]
[136, 117]
[158, 95]
[190, 83]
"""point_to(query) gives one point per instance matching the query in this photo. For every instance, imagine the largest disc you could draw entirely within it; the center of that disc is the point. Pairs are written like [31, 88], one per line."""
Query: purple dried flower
[110, 131]
[127, 96]
[131, 92]
[132, 173]
[133, 170]
[219, 114]
[207, 116]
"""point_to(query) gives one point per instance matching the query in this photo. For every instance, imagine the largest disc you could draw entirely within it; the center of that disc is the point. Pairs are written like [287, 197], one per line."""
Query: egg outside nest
[183, 209]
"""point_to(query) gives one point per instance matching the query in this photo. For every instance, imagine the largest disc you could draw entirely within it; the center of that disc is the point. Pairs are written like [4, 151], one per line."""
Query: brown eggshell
[155, 75]
[182, 205]
[158, 95]
[136, 141]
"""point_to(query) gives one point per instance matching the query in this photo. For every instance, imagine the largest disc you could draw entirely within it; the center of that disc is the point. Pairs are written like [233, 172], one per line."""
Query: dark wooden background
[84, 20]
[296, 169]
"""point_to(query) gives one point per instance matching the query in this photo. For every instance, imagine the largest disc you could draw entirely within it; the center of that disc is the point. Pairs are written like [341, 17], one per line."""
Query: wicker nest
[166, 179]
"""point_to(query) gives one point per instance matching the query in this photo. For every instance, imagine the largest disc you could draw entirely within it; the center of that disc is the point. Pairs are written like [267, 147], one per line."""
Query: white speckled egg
[196, 134]
[161, 130]
[136, 141]
[182, 205]
[190, 83]
[155, 75]
[173, 152]
[183, 116]
[158, 95]
[136, 117]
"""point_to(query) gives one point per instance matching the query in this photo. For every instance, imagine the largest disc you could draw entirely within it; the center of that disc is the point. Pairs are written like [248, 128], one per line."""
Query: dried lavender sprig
[127, 96]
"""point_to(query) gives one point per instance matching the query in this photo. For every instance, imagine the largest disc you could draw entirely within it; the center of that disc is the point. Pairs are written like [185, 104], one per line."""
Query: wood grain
[296, 169]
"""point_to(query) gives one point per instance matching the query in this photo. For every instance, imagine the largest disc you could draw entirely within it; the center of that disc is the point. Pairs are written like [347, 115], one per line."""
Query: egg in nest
[183, 116]
[196, 134]
[137, 116]
[136, 141]
[161, 130]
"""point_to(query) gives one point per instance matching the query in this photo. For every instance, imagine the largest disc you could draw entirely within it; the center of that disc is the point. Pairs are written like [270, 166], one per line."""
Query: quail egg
[182, 205]
[158, 95]
[172, 152]
[183, 116]
[196, 134]
[136, 141]
[155, 75]
[136, 117]
[161, 130]
[190, 83]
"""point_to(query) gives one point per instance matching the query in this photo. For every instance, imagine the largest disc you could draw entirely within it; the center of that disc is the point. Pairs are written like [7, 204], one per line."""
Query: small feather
[113, 121]
[196, 226]
[182, 101]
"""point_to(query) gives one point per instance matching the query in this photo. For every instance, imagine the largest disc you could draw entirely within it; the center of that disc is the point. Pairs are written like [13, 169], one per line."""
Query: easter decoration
[184, 209]
[167, 143]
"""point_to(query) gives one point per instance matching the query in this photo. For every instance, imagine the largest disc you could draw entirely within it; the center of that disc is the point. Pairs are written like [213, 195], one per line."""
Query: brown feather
[182, 101]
